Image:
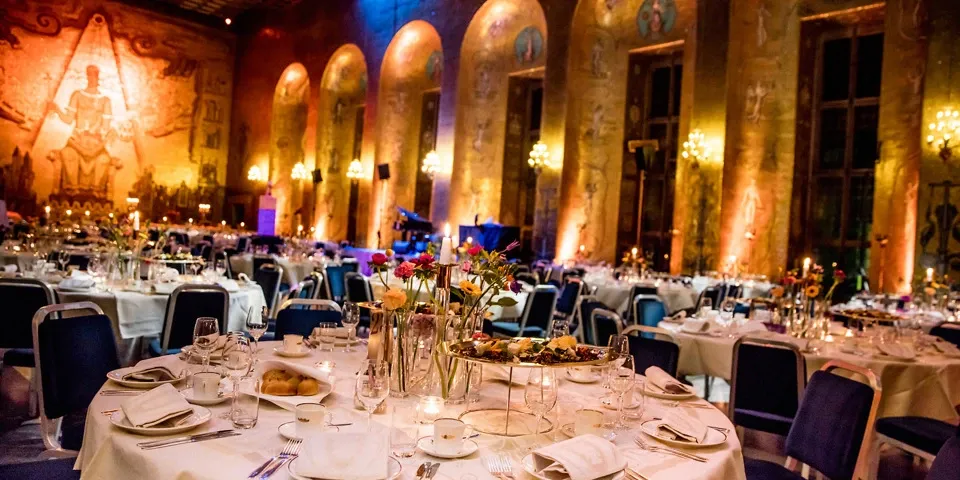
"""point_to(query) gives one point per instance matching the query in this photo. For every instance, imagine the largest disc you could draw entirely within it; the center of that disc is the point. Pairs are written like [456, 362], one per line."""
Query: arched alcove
[504, 38]
[409, 74]
[343, 90]
[288, 124]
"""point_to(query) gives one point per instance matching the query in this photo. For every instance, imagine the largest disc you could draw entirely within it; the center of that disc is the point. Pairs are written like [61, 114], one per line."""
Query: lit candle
[806, 266]
[86, 213]
[299, 229]
[430, 409]
[446, 247]
[69, 212]
[47, 210]
[930, 274]
[633, 251]
[469, 240]
[243, 224]
[190, 220]
[136, 221]
[110, 214]
[583, 248]
[223, 223]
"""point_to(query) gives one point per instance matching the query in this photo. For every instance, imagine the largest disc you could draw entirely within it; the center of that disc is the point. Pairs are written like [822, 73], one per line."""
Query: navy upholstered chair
[261, 260]
[947, 463]
[305, 290]
[919, 436]
[187, 304]
[767, 382]
[269, 276]
[713, 292]
[206, 252]
[336, 281]
[653, 347]
[301, 316]
[569, 296]
[21, 298]
[358, 288]
[242, 244]
[537, 315]
[635, 290]
[648, 310]
[57, 469]
[588, 331]
[606, 323]
[73, 356]
[832, 429]
[947, 331]
[528, 278]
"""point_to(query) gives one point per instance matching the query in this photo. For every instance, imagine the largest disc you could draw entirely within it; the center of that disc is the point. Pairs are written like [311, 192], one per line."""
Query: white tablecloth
[616, 294]
[109, 453]
[929, 386]
[751, 288]
[294, 271]
[23, 261]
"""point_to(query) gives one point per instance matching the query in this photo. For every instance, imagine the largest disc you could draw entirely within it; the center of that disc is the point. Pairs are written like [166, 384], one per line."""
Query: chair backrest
[713, 292]
[832, 429]
[302, 322]
[21, 298]
[637, 289]
[528, 278]
[605, 324]
[540, 307]
[947, 463]
[242, 244]
[653, 347]
[73, 356]
[947, 331]
[206, 252]
[261, 260]
[569, 295]
[268, 276]
[306, 288]
[769, 376]
[649, 310]
[358, 288]
[187, 304]
[587, 329]
[318, 287]
[523, 269]
[336, 281]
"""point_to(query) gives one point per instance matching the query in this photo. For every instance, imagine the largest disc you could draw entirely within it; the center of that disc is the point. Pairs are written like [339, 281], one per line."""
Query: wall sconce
[299, 172]
[355, 170]
[255, 174]
[431, 163]
[539, 158]
[943, 130]
[695, 147]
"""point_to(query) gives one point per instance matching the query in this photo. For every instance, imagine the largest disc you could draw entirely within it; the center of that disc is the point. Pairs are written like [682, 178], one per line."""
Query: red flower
[839, 275]
[789, 280]
[475, 250]
[378, 259]
[404, 270]
[425, 260]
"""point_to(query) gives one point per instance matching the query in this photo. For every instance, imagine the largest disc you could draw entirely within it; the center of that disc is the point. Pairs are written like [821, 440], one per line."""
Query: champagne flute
[373, 387]
[63, 258]
[540, 394]
[220, 267]
[206, 331]
[622, 380]
[618, 346]
[237, 359]
[257, 324]
[350, 320]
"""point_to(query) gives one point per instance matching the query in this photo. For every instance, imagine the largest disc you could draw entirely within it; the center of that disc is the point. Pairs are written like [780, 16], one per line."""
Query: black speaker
[317, 176]
[640, 157]
[384, 171]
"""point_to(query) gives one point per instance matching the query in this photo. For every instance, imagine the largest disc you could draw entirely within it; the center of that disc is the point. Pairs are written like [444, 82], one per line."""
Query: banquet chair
[242, 244]
[767, 382]
[292, 318]
[569, 296]
[605, 324]
[206, 252]
[832, 430]
[21, 298]
[634, 291]
[188, 303]
[73, 355]
[586, 332]
[947, 462]
[261, 260]
[317, 279]
[648, 310]
[268, 276]
[523, 269]
[537, 316]
[947, 331]
[358, 288]
[57, 469]
[919, 436]
[528, 278]
[307, 288]
[336, 282]
[713, 292]
[653, 347]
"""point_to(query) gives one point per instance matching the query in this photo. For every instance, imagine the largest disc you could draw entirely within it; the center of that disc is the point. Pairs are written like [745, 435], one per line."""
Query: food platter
[466, 350]
[866, 316]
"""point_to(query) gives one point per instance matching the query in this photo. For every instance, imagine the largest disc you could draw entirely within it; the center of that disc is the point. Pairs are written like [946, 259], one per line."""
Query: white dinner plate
[117, 376]
[530, 466]
[200, 416]
[188, 395]
[393, 470]
[568, 430]
[652, 429]
[469, 447]
[654, 391]
[283, 353]
[609, 401]
[289, 430]
[592, 378]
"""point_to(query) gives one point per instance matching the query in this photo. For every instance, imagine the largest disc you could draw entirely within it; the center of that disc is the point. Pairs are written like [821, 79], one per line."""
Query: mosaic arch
[411, 66]
[288, 124]
[504, 37]
[343, 89]
[603, 34]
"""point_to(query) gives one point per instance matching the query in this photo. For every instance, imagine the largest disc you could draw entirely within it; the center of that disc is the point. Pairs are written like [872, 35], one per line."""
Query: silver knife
[193, 440]
[433, 470]
[184, 438]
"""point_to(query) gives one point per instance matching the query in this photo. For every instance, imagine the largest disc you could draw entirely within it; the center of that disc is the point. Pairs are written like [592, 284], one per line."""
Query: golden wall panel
[288, 125]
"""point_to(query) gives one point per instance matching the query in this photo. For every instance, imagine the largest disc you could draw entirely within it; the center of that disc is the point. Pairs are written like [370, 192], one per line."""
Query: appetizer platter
[527, 352]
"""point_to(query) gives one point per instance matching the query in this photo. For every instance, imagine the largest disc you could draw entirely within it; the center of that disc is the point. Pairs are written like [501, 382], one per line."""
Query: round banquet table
[109, 453]
[928, 386]
[137, 316]
[616, 294]
[294, 271]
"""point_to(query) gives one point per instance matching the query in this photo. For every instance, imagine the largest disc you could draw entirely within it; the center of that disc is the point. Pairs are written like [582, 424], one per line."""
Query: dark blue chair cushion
[269, 281]
[302, 322]
[75, 355]
[190, 306]
[19, 357]
[947, 463]
[923, 433]
[830, 424]
[763, 421]
[336, 276]
[20, 303]
[951, 335]
[649, 352]
[357, 289]
[59, 469]
[766, 388]
[650, 312]
[541, 308]
[764, 470]
[568, 298]
[586, 311]
[512, 329]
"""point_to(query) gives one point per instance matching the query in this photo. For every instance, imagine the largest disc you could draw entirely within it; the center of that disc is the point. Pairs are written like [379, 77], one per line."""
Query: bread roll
[308, 387]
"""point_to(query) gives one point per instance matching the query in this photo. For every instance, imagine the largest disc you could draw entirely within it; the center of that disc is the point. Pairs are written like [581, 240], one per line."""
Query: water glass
[561, 328]
[622, 380]
[474, 381]
[351, 318]
[373, 387]
[246, 405]
[257, 323]
[206, 332]
[541, 392]
[328, 335]
[404, 430]
[706, 305]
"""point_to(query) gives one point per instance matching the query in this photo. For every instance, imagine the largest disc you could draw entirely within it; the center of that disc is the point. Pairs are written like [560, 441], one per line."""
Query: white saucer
[200, 416]
[289, 430]
[468, 448]
[594, 377]
[654, 391]
[393, 470]
[714, 437]
[609, 401]
[567, 430]
[283, 353]
[117, 376]
[530, 466]
[188, 395]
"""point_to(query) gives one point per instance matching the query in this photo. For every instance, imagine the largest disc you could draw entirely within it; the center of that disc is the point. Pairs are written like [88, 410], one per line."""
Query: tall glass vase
[412, 353]
[452, 375]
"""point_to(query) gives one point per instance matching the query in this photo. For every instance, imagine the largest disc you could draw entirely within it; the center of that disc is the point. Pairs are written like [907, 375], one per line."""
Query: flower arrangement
[415, 274]
[119, 233]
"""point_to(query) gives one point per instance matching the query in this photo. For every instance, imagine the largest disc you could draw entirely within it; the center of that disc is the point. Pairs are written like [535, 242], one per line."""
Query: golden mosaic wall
[288, 124]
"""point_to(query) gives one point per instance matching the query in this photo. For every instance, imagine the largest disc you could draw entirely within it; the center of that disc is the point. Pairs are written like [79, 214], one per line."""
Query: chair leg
[707, 381]
[34, 405]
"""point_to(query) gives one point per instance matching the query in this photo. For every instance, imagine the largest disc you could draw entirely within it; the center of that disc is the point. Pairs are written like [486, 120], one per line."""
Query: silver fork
[499, 466]
[288, 454]
[270, 461]
[656, 448]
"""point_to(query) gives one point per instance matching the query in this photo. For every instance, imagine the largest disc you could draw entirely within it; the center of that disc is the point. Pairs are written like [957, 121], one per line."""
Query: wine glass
[206, 331]
[706, 304]
[560, 328]
[257, 324]
[350, 320]
[540, 394]
[220, 267]
[373, 387]
[63, 258]
[622, 380]
[195, 267]
[95, 268]
[237, 359]
[618, 346]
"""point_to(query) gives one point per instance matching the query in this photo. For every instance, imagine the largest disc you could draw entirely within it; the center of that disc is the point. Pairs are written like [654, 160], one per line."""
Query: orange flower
[812, 291]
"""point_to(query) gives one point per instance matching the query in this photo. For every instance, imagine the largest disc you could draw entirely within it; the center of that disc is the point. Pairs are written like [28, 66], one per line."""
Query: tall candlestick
[136, 221]
[930, 274]
[806, 266]
[446, 252]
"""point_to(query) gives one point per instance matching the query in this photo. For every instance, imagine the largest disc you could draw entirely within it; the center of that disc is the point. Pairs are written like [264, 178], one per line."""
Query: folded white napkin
[898, 351]
[229, 284]
[947, 348]
[166, 367]
[165, 288]
[77, 279]
[664, 381]
[243, 277]
[168, 274]
[336, 456]
[696, 325]
[683, 427]
[676, 317]
[10, 268]
[158, 405]
[585, 457]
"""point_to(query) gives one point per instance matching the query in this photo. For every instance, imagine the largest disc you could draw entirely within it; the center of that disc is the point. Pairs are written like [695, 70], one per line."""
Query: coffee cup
[311, 418]
[448, 435]
[206, 385]
[588, 421]
[292, 343]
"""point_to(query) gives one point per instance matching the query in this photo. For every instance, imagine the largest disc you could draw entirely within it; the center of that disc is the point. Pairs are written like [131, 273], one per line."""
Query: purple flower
[466, 267]
[515, 286]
